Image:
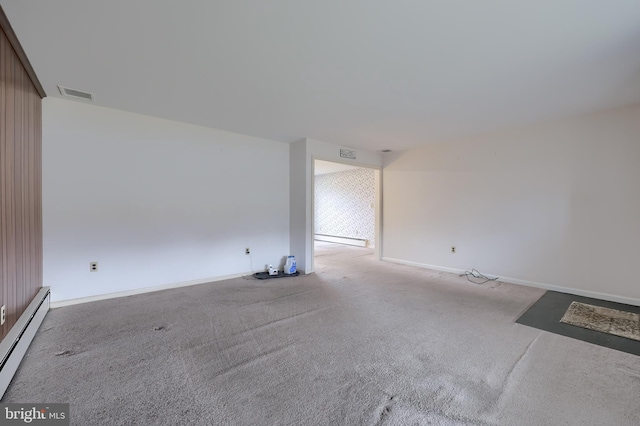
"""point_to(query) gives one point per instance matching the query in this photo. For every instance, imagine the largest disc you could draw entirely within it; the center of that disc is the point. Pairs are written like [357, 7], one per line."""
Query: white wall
[555, 205]
[302, 156]
[299, 200]
[154, 201]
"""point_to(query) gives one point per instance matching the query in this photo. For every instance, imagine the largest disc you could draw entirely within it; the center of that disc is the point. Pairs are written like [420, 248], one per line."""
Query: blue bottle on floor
[290, 266]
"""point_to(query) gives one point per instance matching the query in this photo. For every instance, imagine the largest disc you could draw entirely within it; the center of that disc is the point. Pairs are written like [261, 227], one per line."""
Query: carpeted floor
[360, 342]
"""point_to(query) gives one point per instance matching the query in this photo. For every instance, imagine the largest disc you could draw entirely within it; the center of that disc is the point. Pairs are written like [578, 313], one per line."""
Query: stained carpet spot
[160, 328]
[384, 413]
[606, 320]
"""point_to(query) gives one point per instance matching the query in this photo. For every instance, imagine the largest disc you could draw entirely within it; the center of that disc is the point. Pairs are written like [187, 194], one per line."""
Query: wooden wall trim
[15, 43]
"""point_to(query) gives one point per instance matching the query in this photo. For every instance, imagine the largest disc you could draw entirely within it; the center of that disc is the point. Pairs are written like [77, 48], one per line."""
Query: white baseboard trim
[423, 265]
[69, 302]
[560, 289]
[358, 242]
[15, 344]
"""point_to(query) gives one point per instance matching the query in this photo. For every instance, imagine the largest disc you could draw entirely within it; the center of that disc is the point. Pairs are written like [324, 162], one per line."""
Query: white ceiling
[370, 74]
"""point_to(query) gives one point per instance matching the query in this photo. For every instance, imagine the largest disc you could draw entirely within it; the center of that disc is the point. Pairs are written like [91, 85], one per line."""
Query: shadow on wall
[552, 205]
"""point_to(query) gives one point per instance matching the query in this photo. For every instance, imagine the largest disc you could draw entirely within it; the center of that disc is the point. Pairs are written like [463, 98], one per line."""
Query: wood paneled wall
[20, 183]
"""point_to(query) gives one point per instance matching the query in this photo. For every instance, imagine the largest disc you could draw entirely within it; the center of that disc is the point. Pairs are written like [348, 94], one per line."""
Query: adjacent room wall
[345, 204]
[555, 205]
[155, 202]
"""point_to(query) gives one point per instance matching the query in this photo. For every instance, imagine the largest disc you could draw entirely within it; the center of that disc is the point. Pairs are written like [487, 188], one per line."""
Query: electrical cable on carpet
[250, 277]
[476, 274]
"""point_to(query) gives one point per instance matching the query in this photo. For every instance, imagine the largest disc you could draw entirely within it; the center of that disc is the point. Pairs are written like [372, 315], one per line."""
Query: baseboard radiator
[341, 240]
[17, 341]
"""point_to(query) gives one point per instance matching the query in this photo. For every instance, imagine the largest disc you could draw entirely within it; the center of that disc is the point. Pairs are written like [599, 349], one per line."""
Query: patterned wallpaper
[345, 204]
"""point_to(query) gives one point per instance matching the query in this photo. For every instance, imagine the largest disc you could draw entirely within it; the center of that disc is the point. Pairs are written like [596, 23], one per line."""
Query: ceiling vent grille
[76, 94]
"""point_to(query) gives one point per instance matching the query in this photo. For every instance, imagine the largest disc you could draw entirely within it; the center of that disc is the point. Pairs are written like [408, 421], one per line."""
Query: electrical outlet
[93, 266]
[3, 315]
[453, 249]
[247, 251]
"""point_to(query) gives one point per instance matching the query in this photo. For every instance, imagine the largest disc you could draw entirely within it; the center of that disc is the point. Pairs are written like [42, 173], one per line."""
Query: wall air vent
[75, 94]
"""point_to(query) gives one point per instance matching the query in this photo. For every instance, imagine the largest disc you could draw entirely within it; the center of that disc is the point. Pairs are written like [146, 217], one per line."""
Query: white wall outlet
[453, 249]
[93, 266]
[247, 251]
[3, 315]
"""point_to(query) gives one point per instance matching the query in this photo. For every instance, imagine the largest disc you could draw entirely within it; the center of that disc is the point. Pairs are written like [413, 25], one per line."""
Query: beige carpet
[606, 320]
[361, 342]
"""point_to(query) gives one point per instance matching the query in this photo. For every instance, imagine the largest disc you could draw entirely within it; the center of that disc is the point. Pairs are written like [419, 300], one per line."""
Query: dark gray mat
[546, 313]
[266, 276]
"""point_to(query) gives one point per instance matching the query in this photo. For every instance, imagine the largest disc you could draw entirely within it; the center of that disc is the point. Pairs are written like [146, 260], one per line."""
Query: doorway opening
[346, 209]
